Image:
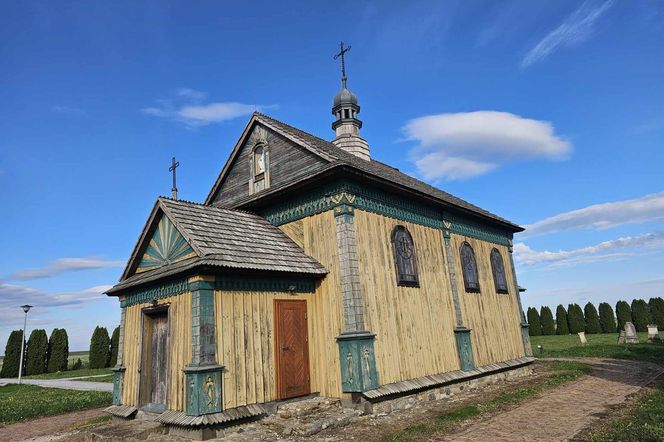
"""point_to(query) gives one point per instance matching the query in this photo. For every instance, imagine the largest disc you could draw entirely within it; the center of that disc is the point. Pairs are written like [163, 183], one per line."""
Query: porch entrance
[291, 348]
[154, 367]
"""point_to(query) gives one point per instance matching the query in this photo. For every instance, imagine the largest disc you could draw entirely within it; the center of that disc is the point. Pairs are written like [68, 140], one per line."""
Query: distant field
[73, 356]
[599, 346]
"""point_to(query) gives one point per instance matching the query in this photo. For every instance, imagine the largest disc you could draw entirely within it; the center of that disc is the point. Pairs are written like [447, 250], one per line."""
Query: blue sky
[547, 113]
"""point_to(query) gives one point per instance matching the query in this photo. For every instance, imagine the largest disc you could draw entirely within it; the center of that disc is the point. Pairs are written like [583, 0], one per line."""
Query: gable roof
[339, 157]
[220, 237]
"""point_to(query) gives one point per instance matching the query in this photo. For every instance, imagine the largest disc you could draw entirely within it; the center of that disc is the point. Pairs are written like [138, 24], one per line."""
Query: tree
[534, 322]
[115, 342]
[546, 319]
[58, 351]
[657, 311]
[77, 365]
[100, 348]
[35, 360]
[607, 319]
[12, 355]
[640, 315]
[575, 319]
[561, 321]
[592, 319]
[623, 314]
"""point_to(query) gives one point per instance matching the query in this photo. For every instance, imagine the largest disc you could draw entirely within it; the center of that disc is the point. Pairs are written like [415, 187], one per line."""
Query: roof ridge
[206, 206]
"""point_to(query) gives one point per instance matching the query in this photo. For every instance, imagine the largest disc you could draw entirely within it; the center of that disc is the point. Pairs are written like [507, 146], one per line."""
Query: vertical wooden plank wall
[414, 326]
[179, 317]
[493, 317]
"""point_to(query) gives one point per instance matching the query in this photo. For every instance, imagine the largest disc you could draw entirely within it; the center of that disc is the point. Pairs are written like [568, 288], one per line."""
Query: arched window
[405, 259]
[259, 168]
[469, 268]
[498, 269]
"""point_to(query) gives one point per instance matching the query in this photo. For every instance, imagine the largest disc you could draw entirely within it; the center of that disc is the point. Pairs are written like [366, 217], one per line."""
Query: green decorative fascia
[264, 284]
[464, 348]
[159, 291]
[343, 196]
[358, 362]
[118, 375]
[203, 390]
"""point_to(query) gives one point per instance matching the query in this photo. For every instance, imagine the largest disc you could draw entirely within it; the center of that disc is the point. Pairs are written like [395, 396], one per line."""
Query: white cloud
[602, 216]
[607, 250]
[64, 265]
[577, 27]
[467, 144]
[187, 107]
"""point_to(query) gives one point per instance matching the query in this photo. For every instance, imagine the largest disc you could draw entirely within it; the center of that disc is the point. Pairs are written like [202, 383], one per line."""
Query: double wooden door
[292, 348]
[154, 367]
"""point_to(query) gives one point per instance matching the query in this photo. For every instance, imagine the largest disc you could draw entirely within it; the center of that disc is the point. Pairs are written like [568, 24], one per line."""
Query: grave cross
[343, 61]
[174, 165]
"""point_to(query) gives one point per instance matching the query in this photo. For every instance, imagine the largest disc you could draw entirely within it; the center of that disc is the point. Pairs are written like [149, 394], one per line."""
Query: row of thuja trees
[44, 355]
[589, 320]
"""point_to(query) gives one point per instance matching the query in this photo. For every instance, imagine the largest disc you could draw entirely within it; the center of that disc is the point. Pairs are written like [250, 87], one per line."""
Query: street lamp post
[26, 308]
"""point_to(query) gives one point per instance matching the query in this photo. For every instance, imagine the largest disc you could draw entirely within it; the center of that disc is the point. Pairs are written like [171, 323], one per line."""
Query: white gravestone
[653, 333]
[582, 337]
[630, 334]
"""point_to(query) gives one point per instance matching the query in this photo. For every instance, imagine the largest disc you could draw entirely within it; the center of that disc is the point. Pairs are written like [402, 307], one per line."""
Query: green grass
[563, 371]
[25, 402]
[644, 423]
[108, 378]
[599, 346]
[71, 374]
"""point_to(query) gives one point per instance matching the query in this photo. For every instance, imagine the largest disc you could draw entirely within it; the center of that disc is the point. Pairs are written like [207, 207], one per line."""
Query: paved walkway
[68, 384]
[565, 411]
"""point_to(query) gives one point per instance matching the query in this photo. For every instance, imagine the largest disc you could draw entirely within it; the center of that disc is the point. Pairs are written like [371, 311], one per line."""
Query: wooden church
[311, 268]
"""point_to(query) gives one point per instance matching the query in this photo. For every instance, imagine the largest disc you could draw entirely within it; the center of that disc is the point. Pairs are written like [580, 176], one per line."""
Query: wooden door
[291, 348]
[154, 371]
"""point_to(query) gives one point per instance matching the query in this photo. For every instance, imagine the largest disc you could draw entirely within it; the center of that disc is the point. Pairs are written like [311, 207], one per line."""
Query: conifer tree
[592, 319]
[640, 315]
[115, 342]
[100, 348]
[657, 311]
[58, 351]
[35, 360]
[607, 319]
[575, 319]
[534, 322]
[623, 314]
[561, 321]
[12, 358]
[546, 319]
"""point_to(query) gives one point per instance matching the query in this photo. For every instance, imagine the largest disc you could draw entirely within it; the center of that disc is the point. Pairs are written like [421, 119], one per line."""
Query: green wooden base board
[118, 375]
[203, 391]
[525, 336]
[464, 348]
[358, 362]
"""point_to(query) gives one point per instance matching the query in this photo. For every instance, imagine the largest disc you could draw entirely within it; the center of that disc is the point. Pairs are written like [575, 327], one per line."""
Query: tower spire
[342, 54]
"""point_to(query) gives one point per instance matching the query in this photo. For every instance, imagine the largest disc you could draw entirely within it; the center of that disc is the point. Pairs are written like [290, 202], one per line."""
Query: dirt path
[565, 411]
[46, 425]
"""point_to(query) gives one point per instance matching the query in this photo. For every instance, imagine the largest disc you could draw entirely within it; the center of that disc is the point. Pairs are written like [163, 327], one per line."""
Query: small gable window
[259, 168]
[498, 269]
[405, 260]
[469, 268]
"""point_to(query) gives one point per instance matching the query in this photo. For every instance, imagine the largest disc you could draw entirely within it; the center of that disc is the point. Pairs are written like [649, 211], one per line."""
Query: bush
[58, 351]
[607, 320]
[546, 319]
[657, 311]
[640, 315]
[623, 314]
[12, 355]
[100, 348]
[77, 365]
[115, 342]
[534, 322]
[575, 319]
[35, 360]
[561, 321]
[592, 319]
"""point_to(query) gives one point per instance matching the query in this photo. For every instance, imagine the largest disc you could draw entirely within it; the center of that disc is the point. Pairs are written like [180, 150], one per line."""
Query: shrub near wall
[575, 319]
[607, 319]
[592, 319]
[12, 355]
[640, 315]
[58, 351]
[561, 321]
[534, 322]
[546, 319]
[657, 311]
[623, 314]
[100, 348]
[35, 361]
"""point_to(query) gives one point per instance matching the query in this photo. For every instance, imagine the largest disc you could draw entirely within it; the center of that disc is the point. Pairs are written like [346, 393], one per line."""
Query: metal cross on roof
[174, 165]
[343, 61]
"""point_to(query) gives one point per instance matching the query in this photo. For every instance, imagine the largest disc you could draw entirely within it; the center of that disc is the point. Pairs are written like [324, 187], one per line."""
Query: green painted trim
[264, 284]
[118, 375]
[166, 246]
[203, 390]
[344, 195]
[525, 336]
[464, 348]
[164, 290]
[358, 362]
